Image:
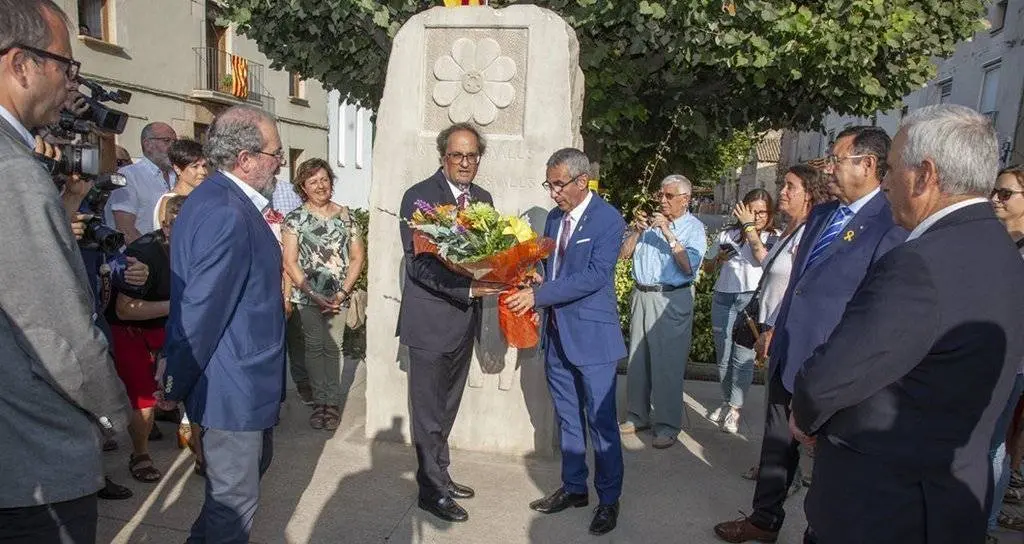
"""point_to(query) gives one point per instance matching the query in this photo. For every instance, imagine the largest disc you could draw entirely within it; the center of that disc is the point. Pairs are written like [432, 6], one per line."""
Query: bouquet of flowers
[481, 243]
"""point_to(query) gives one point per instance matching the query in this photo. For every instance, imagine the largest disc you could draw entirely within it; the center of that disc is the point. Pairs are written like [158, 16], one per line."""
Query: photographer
[57, 383]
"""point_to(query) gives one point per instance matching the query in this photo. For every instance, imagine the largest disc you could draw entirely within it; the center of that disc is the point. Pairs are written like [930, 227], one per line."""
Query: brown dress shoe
[742, 530]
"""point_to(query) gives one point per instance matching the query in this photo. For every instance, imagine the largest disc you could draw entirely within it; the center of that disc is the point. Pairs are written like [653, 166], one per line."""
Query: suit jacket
[582, 297]
[437, 313]
[56, 377]
[816, 297]
[225, 334]
[913, 379]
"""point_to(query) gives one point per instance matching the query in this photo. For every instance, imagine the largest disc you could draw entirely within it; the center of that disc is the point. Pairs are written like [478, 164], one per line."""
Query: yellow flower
[520, 229]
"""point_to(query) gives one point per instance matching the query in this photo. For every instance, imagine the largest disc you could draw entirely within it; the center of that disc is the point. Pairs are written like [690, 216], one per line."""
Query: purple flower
[424, 207]
[459, 229]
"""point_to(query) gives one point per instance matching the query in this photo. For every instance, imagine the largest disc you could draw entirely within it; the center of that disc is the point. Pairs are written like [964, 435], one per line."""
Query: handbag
[746, 329]
[356, 316]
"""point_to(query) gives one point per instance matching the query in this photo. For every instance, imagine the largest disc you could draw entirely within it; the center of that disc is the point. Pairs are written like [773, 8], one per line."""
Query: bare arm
[629, 245]
[133, 309]
[124, 222]
[356, 260]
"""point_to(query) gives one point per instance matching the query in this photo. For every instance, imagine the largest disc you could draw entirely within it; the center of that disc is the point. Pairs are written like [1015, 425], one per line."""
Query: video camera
[87, 160]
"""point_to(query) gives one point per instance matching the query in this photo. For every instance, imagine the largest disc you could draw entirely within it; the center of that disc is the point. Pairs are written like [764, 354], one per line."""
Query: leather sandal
[316, 419]
[332, 417]
[142, 469]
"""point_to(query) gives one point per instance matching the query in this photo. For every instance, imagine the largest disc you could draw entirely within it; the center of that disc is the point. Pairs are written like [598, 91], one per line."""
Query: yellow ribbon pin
[848, 236]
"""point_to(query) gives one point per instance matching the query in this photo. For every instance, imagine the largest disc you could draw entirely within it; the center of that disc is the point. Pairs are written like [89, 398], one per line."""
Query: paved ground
[347, 489]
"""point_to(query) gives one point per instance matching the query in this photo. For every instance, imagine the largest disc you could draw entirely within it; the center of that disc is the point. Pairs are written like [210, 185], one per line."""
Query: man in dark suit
[841, 241]
[438, 321]
[903, 398]
[582, 339]
[225, 333]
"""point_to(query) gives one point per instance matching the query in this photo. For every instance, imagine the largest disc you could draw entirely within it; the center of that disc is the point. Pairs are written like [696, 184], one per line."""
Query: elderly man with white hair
[666, 249]
[903, 398]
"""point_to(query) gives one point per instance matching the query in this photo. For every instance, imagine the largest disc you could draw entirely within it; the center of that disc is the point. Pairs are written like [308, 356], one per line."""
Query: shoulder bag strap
[767, 266]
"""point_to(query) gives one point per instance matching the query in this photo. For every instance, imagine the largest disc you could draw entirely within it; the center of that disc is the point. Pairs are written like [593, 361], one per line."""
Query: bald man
[132, 206]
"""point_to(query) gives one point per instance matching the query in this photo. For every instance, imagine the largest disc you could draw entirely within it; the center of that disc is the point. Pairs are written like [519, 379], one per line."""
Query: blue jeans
[1001, 468]
[735, 362]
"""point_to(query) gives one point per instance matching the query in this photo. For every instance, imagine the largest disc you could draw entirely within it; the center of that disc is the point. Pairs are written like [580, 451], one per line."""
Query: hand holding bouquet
[482, 244]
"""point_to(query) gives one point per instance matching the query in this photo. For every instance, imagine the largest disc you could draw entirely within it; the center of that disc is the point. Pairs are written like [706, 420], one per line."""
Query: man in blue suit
[582, 340]
[842, 241]
[225, 334]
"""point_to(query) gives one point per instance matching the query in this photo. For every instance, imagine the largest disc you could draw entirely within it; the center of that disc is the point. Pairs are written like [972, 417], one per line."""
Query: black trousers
[780, 456]
[68, 522]
[436, 383]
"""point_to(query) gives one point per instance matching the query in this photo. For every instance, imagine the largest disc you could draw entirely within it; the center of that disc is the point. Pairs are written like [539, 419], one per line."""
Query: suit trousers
[436, 383]
[235, 464]
[585, 395]
[659, 346]
[68, 522]
[780, 457]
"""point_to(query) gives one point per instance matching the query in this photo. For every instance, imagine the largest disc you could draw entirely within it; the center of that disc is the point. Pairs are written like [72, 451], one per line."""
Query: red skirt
[134, 351]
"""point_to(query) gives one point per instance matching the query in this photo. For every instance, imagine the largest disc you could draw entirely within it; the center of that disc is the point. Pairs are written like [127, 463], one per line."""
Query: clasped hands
[519, 302]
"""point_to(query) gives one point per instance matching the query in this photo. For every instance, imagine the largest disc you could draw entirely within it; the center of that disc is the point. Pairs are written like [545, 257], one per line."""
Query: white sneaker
[731, 424]
[718, 415]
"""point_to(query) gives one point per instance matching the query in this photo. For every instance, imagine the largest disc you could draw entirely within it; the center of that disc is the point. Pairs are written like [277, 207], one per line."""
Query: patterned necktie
[563, 241]
[829, 235]
[463, 200]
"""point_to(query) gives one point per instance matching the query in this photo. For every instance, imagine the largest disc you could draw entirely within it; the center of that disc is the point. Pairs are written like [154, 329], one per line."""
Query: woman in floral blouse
[323, 257]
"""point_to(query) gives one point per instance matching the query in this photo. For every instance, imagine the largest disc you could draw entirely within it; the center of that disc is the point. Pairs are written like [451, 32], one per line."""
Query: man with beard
[131, 207]
[226, 324]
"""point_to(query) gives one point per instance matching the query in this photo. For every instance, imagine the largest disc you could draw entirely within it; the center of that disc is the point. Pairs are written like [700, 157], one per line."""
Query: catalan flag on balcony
[456, 3]
[239, 77]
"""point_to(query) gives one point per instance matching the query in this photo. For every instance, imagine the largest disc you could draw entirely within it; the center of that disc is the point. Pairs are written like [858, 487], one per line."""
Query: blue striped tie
[830, 234]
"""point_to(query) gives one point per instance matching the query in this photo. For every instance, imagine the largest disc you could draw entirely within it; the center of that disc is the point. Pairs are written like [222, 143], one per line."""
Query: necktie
[463, 200]
[829, 235]
[563, 241]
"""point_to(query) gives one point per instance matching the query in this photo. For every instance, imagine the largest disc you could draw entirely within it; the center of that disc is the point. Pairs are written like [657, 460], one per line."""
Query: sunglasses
[1002, 195]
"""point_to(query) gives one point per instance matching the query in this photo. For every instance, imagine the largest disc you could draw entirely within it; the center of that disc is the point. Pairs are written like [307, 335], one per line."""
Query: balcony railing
[224, 77]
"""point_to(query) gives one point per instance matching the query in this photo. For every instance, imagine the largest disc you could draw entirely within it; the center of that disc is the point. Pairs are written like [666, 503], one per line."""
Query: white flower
[473, 81]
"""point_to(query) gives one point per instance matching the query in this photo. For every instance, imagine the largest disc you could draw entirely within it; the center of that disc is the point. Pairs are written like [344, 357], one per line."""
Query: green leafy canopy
[736, 67]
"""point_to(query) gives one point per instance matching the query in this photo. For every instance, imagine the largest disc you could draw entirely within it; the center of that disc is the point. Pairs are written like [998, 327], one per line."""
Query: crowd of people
[880, 293]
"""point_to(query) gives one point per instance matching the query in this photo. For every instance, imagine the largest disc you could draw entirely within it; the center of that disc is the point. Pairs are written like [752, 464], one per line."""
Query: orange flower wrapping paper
[509, 267]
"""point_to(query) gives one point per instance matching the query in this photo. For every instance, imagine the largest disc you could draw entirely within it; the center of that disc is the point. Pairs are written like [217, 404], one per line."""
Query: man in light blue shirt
[666, 250]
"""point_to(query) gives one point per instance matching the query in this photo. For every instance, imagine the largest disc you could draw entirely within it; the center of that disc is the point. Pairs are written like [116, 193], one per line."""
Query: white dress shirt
[935, 217]
[146, 184]
[261, 202]
[574, 221]
[25, 134]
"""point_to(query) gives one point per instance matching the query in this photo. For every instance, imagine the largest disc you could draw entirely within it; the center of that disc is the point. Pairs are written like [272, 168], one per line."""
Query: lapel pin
[848, 236]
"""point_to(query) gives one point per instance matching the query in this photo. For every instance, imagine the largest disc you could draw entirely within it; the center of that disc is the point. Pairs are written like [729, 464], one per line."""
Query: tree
[697, 74]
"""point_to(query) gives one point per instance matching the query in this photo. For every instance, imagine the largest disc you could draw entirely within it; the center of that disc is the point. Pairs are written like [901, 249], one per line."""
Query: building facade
[183, 68]
[351, 148]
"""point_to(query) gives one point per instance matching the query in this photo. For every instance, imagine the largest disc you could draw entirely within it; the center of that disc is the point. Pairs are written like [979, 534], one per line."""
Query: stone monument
[513, 72]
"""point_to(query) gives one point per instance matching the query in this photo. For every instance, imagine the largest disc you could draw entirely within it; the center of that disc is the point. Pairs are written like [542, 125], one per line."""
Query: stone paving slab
[347, 489]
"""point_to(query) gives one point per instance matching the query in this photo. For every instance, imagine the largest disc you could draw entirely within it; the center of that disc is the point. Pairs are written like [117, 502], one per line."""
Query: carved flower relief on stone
[473, 81]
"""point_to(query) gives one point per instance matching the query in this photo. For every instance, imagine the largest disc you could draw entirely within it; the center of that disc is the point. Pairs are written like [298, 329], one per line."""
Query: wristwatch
[674, 244]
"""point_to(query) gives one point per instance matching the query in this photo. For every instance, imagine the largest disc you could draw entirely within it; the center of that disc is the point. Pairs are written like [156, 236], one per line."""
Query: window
[94, 19]
[294, 156]
[989, 91]
[997, 16]
[296, 86]
[945, 91]
[199, 132]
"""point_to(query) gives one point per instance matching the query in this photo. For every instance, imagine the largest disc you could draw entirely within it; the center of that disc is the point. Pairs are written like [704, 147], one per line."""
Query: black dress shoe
[114, 492]
[460, 491]
[445, 508]
[605, 517]
[558, 501]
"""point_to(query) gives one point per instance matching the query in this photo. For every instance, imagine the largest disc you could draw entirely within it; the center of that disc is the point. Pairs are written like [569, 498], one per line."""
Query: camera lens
[106, 239]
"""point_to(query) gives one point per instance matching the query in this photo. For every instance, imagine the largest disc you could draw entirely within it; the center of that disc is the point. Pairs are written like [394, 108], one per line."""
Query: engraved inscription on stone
[476, 75]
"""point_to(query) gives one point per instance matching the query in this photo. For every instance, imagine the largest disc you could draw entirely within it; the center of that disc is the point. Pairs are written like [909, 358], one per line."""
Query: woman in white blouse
[738, 251]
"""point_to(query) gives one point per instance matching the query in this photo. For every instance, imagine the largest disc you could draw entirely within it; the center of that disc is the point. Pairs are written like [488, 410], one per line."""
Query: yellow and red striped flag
[239, 77]
[457, 3]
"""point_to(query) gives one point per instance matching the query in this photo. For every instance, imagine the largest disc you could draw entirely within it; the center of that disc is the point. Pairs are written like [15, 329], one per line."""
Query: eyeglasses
[458, 158]
[1002, 195]
[164, 139]
[72, 65]
[279, 154]
[668, 196]
[557, 186]
[762, 213]
[834, 160]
